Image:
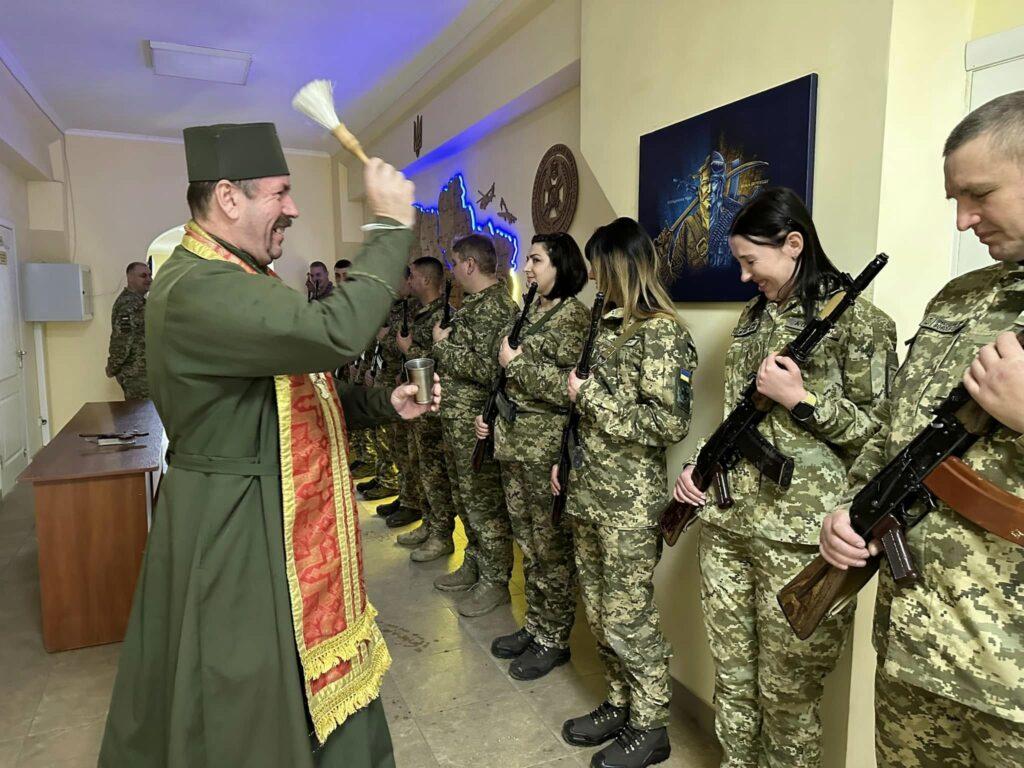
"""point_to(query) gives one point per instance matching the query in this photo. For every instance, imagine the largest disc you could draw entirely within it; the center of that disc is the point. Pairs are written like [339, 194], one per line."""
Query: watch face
[802, 411]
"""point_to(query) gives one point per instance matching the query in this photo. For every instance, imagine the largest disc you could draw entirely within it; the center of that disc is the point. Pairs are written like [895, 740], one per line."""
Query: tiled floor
[449, 703]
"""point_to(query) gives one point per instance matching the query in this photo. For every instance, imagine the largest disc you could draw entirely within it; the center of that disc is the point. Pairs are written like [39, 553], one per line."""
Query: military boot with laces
[536, 661]
[634, 748]
[511, 646]
[597, 727]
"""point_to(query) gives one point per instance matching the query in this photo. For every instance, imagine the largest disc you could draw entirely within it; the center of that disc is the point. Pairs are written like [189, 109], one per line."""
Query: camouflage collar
[472, 298]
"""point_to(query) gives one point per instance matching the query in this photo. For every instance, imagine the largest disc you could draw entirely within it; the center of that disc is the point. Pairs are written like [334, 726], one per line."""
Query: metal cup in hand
[421, 373]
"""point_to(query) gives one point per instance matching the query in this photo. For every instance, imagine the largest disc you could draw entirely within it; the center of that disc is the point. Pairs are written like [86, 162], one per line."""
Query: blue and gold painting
[697, 174]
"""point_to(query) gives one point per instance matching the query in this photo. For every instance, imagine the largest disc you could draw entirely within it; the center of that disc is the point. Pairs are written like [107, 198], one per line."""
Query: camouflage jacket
[421, 326]
[959, 631]
[536, 383]
[468, 358]
[635, 404]
[393, 357]
[127, 355]
[847, 374]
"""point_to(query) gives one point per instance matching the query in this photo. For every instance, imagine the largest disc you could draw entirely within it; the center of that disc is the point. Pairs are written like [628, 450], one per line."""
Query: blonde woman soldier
[635, 404]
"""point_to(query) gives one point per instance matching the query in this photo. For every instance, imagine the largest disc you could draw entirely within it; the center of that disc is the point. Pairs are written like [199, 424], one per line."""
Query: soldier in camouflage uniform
[526, 447]
[385, 481]
[949, 685]
[409, 505]
[635, 404]
[126, 360]
[768, 684]
[433, 539]
[467, 353]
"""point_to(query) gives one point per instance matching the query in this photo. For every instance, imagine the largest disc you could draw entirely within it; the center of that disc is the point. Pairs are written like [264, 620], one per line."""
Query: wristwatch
[804, 410]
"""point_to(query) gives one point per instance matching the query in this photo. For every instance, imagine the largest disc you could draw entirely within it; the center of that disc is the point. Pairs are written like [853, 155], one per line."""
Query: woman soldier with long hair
[768, 684]
[525, 444]
[634, 405]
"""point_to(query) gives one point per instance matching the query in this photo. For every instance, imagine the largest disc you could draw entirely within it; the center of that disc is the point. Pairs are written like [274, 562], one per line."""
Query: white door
[13, 433]
[1001, 71]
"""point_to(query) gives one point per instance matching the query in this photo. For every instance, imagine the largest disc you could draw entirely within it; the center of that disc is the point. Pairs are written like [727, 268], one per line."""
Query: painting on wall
[697, 174]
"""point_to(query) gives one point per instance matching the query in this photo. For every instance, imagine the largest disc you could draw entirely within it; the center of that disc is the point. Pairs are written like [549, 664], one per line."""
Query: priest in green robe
[251, 641]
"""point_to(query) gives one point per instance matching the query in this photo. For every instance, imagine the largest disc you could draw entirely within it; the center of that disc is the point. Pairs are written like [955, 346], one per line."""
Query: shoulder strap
[628, 333]
[535, 327]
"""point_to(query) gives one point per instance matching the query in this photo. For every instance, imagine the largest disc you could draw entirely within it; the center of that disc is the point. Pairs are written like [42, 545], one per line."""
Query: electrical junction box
[55, 292]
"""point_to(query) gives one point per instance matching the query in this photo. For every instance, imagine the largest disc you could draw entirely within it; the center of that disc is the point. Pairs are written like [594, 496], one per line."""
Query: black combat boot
[510, 646]
[383, 510]
[596, 728]
[368, 485]
[634, 748]
[536, 661]
[404, 516]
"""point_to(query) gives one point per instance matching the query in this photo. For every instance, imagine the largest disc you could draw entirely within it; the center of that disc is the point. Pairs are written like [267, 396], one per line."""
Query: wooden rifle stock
[819, 591]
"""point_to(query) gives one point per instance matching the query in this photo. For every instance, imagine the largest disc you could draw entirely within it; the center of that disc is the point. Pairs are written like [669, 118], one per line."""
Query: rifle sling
[535, 327]
[628, 333]
[765, 457]
[979, 500]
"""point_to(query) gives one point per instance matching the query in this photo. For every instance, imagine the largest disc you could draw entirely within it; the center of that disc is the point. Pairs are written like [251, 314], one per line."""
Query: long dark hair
[567, 259]
[767, 220]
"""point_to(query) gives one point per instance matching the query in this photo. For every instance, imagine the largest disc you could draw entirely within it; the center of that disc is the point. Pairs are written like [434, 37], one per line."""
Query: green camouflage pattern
[768, 684]
[126, 359]
[428, 444]
[549, 570]
[386, 470]
[631, 409]
[918, 729]
[615, 568]
[468, 358]
[959, 631]
[481, 502]
[472, 547]
[410, 485]
[526, 449]
[536, 383]
[847, 374]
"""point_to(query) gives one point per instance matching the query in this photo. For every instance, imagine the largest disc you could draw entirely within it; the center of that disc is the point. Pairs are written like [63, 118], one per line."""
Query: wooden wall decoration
[556, 189]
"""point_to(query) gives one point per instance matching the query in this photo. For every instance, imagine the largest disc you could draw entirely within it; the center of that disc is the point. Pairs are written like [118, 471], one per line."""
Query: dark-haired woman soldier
[526, 447]
[768, 684]
[635, 404]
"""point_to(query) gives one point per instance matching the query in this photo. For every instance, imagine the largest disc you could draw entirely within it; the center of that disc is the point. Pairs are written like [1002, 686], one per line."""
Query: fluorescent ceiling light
[200, 63]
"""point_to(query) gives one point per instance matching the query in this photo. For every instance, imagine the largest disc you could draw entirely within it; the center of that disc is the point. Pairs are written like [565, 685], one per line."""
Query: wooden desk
[93, 507]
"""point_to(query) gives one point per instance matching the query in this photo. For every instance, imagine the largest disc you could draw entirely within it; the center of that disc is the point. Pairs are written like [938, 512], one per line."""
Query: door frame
[19, 323]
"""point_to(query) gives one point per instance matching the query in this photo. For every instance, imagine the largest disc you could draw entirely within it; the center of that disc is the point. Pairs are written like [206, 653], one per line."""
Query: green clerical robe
[209, 675]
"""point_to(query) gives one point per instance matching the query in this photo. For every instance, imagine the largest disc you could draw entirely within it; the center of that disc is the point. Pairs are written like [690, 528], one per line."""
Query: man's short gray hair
[1002, 119]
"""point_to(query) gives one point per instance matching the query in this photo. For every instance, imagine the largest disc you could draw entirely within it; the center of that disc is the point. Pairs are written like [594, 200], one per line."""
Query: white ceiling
[88, 59]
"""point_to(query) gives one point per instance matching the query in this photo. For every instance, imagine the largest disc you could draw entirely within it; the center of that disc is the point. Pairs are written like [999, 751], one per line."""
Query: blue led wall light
[486, 227]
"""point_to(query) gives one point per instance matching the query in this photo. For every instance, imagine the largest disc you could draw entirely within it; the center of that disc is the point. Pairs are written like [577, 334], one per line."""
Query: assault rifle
[570, 454]
[497, 395]
[738, 438]
[446, 315]
[927, 470]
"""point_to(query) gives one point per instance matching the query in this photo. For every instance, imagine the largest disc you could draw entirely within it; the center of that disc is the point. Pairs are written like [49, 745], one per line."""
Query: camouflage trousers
[384, 442]
[134, 385]
[428, 442]
[549, 570]
[768, 684]
[360, 446]
[481, 499]
[915, 728]
[615, 568]
[410, 485]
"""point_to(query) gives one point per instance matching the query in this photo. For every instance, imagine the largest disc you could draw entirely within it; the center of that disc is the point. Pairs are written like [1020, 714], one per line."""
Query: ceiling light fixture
[198, 63]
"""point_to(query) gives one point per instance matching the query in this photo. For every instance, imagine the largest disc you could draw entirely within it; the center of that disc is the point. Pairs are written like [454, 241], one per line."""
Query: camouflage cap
[233, 152]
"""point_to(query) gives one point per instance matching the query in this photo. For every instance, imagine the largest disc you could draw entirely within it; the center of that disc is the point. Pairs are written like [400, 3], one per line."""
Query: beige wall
[126, 193]
[992, 16]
